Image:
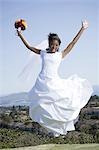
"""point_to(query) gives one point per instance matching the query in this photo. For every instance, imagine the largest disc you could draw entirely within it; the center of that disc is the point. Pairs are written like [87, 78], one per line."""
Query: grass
[60, 147]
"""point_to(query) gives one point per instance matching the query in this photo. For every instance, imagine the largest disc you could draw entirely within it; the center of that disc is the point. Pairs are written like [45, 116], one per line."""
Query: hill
[22, 98]
[96, 90]
[15, 99]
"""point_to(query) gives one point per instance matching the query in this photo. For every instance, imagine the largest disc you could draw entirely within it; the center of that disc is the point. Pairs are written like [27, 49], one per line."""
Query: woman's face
[54, 45]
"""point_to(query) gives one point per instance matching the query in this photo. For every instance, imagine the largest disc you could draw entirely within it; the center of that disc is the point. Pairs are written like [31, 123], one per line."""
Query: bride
[56, 102]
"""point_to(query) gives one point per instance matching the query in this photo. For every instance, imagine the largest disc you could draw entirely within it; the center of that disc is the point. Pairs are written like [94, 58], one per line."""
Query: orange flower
[20, 24]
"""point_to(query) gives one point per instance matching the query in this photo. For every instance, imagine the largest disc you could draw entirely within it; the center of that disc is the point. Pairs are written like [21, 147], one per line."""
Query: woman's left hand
[84, 24]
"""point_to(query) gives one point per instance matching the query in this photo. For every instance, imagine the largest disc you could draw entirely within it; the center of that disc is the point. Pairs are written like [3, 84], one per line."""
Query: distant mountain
[15, 99]
[96, 90]
[22, 98]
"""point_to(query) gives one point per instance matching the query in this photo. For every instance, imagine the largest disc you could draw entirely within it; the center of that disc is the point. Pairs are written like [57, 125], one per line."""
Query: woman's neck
[49, 51]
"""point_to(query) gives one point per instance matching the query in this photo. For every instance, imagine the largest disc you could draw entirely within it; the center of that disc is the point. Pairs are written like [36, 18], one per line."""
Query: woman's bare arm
[35, 50]
[71, 44]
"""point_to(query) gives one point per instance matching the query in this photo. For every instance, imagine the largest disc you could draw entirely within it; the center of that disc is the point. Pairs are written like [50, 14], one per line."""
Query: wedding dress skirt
[56, 102]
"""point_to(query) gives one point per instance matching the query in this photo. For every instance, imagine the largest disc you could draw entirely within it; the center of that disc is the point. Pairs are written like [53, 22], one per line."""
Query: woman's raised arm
[35, 50]
[71, 44]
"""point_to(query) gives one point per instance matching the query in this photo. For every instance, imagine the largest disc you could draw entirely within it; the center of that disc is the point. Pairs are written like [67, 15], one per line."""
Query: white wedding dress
[56, 102]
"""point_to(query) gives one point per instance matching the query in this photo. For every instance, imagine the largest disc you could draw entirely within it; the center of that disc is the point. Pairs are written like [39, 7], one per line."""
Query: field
[60, 147]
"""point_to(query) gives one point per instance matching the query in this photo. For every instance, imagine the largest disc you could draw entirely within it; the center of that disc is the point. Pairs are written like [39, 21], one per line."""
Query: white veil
[26, 76]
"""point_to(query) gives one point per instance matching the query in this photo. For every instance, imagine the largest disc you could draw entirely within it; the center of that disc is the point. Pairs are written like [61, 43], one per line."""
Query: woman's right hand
[18, 32]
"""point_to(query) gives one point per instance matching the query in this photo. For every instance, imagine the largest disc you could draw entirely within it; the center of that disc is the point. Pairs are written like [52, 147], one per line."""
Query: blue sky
[59, 16]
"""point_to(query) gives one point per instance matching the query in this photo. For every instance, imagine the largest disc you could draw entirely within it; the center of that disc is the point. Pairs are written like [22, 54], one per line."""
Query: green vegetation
[11, 138]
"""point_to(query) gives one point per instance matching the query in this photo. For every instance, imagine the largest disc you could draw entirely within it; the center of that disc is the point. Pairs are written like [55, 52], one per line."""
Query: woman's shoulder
[60, 53]
[42, 52]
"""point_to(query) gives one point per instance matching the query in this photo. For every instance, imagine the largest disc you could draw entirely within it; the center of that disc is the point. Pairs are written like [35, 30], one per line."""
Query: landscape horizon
[22, 98]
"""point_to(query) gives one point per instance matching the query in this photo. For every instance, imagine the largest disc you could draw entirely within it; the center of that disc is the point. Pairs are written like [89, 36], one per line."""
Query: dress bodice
[50, 64]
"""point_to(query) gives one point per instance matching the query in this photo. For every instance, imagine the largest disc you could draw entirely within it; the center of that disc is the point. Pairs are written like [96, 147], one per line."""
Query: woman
[56, 102]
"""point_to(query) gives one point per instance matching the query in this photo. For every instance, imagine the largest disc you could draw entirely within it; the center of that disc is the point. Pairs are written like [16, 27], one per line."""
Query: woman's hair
[53, 36]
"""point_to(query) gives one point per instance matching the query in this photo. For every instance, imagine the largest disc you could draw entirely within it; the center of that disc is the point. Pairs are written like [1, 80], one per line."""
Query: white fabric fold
[56, 102]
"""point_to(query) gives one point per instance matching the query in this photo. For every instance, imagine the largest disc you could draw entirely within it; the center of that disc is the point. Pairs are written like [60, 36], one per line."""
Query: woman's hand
[75, 39]
[18, 32]
[84, 24]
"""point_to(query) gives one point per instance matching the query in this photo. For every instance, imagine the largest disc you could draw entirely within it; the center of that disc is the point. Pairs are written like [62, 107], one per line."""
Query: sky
[63, 17]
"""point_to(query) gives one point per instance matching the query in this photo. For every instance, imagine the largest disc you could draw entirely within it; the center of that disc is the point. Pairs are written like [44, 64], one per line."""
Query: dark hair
[53, 36]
